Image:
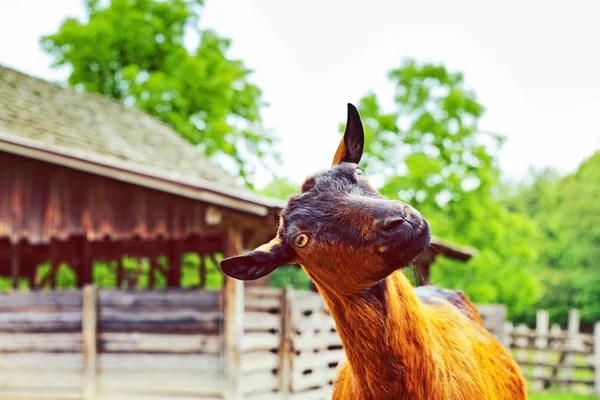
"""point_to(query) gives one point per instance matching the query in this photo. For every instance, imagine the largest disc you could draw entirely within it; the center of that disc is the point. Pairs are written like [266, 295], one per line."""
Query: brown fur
[401, 342]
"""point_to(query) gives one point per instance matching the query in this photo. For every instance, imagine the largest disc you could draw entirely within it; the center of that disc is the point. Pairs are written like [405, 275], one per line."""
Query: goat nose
[390, 224]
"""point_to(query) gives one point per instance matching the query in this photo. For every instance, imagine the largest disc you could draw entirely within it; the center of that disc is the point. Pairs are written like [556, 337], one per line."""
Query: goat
[400, 342]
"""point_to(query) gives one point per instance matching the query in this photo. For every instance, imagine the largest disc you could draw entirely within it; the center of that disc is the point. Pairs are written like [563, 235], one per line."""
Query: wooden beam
[119, 278]
[84, 264]
[174, 256]
[233, 315]
[54, 263]
[90, 339]
[15, 262]
[202, 271]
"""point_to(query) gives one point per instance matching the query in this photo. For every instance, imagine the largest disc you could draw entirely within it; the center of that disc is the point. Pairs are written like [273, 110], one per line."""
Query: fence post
[508, 331]
[572, 344]
[520, 342]
[597, 359]
[541, 342]
[233, 318]
[286, 341]
[89, 322]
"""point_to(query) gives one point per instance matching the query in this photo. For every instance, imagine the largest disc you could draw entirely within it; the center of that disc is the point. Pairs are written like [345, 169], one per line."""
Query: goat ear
[352, 143]
[258, 263]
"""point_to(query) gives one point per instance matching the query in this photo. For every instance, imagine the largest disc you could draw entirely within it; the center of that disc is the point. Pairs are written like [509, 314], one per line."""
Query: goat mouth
[407, 245]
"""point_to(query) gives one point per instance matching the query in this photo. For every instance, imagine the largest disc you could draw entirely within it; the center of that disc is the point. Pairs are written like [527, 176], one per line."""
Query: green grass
[557, 395]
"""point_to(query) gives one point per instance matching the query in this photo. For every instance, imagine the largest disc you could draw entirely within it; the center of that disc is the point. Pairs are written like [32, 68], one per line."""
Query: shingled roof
[86, 130]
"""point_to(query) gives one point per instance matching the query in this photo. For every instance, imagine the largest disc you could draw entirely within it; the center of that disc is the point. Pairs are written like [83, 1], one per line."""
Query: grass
[559, 395]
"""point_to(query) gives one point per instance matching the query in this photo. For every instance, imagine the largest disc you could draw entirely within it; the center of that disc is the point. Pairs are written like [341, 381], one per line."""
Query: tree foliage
[133, 51]
[568, 211]
[429, 152]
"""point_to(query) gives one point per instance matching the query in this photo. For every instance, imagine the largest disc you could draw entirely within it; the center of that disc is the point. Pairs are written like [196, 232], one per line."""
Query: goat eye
[359, 171]
[301, 240]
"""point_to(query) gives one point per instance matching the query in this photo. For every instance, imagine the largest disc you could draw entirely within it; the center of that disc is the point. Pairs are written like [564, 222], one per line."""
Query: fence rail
[105, 344]
[549, 355]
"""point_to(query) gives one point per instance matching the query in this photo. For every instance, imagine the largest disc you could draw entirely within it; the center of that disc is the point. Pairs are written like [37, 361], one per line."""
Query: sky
[534, 65]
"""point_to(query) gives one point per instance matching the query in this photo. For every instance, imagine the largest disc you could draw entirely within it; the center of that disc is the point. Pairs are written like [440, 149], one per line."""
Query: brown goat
[401, 342]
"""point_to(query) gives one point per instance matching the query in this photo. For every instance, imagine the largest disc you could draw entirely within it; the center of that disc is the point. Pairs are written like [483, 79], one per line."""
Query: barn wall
[40, 201]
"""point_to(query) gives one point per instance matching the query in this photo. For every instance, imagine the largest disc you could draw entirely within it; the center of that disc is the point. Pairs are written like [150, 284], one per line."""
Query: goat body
[400, 342]
[424, 343]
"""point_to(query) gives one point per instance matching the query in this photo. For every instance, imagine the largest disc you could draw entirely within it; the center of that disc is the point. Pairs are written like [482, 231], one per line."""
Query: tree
[429, 152]
[568, 211]
[133, 51]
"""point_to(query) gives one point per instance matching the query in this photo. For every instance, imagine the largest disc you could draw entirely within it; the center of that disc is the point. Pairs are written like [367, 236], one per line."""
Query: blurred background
[482, 116]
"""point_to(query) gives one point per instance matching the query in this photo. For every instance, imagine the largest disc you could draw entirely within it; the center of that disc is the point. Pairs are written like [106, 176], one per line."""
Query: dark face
[340, 229]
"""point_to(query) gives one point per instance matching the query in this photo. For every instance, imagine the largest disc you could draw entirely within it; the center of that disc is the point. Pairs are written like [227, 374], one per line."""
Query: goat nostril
[391, 223]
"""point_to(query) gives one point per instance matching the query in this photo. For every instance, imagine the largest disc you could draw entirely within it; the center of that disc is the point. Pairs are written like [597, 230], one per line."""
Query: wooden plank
[261, 321]
[311, 323]
[272, 305]
[40, 322]
[108, 315]
[49, 380]
[324, 393]
[260, 342]
[90, 339]
[261, 361]
[15, 301]
[173, 298]
[559, 365]
[233, 319]
[173, 321]
[16, 394]
[112, 342]
[301, 382]
[262, 292]
[564, 381]
[160, 383]
[40, 342]
[310, 342]
[267, 396]
[306, 361]
[541, 328]
[41, 361]
[285, 348]
[260, 382]
[131, 396]
[140, 362]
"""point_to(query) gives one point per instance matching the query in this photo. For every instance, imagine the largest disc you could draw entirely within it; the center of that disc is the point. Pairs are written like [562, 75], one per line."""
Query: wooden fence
[550, 356]
[108, 344]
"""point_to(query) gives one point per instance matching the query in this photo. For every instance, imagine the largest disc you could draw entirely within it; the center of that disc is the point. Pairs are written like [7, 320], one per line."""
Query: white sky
[535, 65]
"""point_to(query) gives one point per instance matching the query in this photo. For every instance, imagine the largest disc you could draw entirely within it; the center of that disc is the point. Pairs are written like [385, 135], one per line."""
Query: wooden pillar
[89, 336]
[174, 256]
[119, 283]
[541, 342]
[573, 344]
[202, 271]
[15, 263]
[233, 316]
[152, 261]
[84, 263]
[54, 262]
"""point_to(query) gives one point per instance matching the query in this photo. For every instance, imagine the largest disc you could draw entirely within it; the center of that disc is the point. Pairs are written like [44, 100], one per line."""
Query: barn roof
[86, 131]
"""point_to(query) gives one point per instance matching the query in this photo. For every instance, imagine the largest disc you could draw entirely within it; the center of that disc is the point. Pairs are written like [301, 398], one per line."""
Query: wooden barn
[84, 181]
